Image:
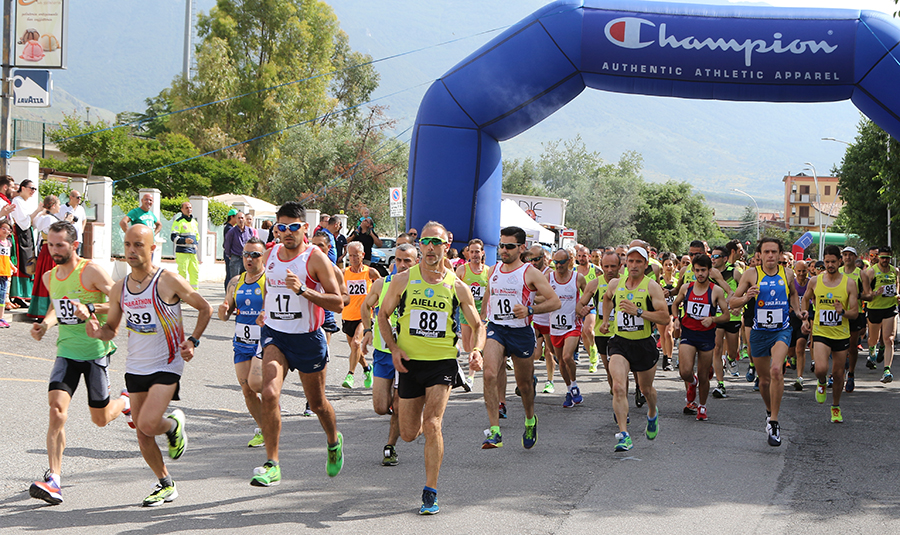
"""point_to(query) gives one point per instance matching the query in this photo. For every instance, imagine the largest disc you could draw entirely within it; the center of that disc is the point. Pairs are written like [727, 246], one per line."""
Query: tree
[90, 142]
[671, 215]
[520, 177]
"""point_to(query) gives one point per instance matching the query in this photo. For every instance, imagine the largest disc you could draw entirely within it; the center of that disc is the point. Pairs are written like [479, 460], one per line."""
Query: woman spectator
[26, 205]
[40, 294]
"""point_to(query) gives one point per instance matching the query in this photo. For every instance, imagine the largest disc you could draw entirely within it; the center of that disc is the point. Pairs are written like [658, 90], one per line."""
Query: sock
[350, 373]
[702, 407]
[530, 421]
[367, 369]
[166, 481]
[575, 384]
[849, 375]
[56, 479]
[721, 383]
[495, 429]
[569, 388]
[273, 463]
[887, 368]
[768, 413]
[649, 419]
[429, 489]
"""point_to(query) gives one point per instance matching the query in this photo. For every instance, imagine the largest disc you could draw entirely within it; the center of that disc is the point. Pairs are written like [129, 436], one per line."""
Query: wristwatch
[640, 312]
[90, 307]
[367, 330]
[302, 289]
[194, 341]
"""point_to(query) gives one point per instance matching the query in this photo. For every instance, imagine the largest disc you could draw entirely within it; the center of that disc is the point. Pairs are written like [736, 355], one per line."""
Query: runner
[427, 298]
[359, 278]
[590, 272]
[639, 302]
[882, 309]
[543, 348]
[836, 304]
[384, 390]
[799, 340]
[475, 274]
[698, 332]
[512, 287]
[150, 299]
[77, 288]
[857, 324]
[245, 295]
[594, 291]
[667, 281]
[565, 323]
[728, 333]
[772, 287]
[292, 338]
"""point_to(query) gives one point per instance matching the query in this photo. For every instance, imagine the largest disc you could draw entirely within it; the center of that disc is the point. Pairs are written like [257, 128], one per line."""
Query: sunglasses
[717, 256]
[884, 256]
[32, 188]
[252, 254]
[782, 263]
[510, 246]
[293, 227]
[536, 259]
[560, 262]
[432, 241]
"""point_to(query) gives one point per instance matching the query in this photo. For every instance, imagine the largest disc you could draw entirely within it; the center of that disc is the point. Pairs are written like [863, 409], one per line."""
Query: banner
[39, 31]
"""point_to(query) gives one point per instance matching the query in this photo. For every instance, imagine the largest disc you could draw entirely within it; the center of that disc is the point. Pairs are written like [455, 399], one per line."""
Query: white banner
[396, 198]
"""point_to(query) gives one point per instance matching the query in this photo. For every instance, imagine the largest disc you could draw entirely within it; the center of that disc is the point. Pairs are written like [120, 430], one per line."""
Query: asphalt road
[718, 475]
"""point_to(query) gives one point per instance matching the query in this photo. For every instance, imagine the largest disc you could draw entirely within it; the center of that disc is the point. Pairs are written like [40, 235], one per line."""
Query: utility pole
[188, 19]
[6, 91]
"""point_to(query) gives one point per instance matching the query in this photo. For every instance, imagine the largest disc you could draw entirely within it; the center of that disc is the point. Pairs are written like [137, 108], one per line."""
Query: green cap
[232, 212]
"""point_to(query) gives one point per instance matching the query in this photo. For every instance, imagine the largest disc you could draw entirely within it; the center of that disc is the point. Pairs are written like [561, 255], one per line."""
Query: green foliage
[520, 177]
[53, 187]
[671, 215]
[149, 123]
[89, 141]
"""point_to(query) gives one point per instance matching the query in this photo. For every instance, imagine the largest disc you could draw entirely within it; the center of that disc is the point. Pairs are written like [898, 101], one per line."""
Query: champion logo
[626, 32]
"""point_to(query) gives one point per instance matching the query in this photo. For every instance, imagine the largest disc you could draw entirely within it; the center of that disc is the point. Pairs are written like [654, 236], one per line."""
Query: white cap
[849, 250]
[638, 250]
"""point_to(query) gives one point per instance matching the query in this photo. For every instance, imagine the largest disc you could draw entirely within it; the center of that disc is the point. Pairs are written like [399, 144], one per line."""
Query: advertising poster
[40, 33]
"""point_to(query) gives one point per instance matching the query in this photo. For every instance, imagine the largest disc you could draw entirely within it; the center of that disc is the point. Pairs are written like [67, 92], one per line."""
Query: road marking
[27, 356]
[23, 380]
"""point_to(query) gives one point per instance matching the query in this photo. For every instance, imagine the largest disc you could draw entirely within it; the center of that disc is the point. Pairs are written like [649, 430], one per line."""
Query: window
[804, 211]
[804, 190]
[827, 190]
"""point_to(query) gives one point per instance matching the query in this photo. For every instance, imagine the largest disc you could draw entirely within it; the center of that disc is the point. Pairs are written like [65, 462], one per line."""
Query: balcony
[802, 222]
[796, 197]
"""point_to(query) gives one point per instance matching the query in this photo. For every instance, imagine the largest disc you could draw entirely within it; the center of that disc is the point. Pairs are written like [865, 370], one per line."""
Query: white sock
[573, 386]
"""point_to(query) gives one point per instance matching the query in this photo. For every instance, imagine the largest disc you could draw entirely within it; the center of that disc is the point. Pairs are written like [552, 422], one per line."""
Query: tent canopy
[513, 216]
[256, 207]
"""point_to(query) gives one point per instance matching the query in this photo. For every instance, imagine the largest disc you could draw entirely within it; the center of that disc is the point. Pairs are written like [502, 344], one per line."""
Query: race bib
[246, 333]
[140, 322]
[356, 287]
[628, 323]
[288, 308]
[501, 308]
[428, 323]
[65, 311]
[561, 322]
[5, 250]
[698, 311]
[830, 318]
[890, 290]
[769, 319]
[477, 292]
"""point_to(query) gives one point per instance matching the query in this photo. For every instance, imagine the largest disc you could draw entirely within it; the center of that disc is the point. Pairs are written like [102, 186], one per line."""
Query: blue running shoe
[652, 428]
[568, 403]
[751, 374]
[429, 503]
[492, 441]
[529, 437]
[830, 380]
[756, 385]
[624, 442]
[851, 384]
[576, 396]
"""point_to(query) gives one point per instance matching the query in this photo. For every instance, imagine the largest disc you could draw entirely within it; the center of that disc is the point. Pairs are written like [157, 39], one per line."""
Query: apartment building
[802, 209]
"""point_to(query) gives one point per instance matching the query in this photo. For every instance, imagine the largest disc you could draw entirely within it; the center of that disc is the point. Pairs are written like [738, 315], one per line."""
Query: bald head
[139, 246]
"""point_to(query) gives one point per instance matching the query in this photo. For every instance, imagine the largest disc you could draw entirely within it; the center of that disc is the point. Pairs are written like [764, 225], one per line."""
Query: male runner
[594, 291]
[835, 296]
[698, 332]
[590, 272]
[427, 298]
[799, 340]
[727, 333]
[77, 289]
[359, 278]
[639, 301]
[540, 259]
[475, 274]
[686, 276]
[150, 299]
[245, 295]
[882, 310]
[565, 323]
[384, 389]
[857, 324]
[512, 287]
[772, 287]
[300, 283]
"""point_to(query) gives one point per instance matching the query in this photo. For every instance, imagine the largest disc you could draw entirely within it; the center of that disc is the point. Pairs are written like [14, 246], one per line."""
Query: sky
[886, 6]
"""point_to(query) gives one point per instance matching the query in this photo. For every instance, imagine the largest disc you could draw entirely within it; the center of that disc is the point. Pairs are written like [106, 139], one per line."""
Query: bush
[168, 206]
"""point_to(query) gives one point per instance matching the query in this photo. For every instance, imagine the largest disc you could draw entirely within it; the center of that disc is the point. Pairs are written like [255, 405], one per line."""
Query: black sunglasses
[252, 254]
[510, 246]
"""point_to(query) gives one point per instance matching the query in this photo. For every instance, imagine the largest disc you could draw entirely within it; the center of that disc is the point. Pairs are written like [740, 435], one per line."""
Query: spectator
[185, 233]
[365, 234]
[414, 234]
[5, 182]
[332, 243]
[265, 231]
[78, 217]
[340, 241]
[248, 221]
[234, 248]
[323, 223]
[230, 222]
[25, 207]
[40, 294]
[142, 215]
[6, 267]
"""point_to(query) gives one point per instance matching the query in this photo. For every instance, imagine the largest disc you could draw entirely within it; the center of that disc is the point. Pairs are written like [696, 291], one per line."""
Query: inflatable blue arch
[648, 48]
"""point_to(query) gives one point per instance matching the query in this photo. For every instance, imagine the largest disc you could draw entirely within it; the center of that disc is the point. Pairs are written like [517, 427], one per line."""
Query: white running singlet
[286, 311]
[507, 291]
[564, 320]
[154, 328]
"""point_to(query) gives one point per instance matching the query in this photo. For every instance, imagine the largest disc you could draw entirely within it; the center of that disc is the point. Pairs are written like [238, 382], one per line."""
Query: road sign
[396, 202]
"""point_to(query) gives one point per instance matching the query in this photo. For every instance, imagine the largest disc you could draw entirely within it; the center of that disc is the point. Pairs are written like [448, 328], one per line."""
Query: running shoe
[744, 354]
[652, 428]
[592, 368]
[177, 438]
[257, 440]
[429, 503]
[792, 363]
[851, 384]
[879, 354]
[492, 440]
[593, 359]
[348, 381]
[624, 442]
[701, 414]
[161, 495]
[127, 409]
[719, 392]
[691, 394]
[667, 365]
[503, 411]
[267, 475]
[549, 388]
[798, 384]
[756, 385]
[47, 490]
[4, 324]
[870, 363]
[335, 457]
[470, 381]
[509, 364]
[530, 436]
[367, 382]
[568, 403]
[751, 374]
[307, 411]
[690, 408]
[534, 386]
[390, 456]
[830, 380]
[773, 432]
[836, 416]
[639, 398]
[887, 377]
[576, 396]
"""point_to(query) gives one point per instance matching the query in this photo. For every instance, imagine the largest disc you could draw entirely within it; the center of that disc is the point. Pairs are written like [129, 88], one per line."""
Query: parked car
[383, 256]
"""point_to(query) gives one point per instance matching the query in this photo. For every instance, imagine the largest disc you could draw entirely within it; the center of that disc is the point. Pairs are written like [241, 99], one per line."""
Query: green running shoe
[530, 436]
[624, 442]
[161, 495]
[652, 428]
[348, 381]
[836, 416]
[268, 475]
[177, 438]
[390, 456]
[549, 388]
[335, 457]
[257, 440]
[367, 382]
[821, 395]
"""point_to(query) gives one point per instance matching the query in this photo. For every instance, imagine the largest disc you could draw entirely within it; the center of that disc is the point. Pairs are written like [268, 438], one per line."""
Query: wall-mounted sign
[40, 34]
[31, 88]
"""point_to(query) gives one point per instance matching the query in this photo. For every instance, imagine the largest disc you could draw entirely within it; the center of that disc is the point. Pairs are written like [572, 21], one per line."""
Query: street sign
[31, 88]
[396, 202]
